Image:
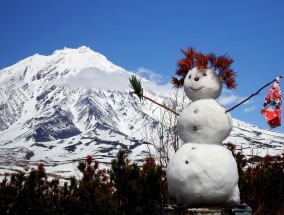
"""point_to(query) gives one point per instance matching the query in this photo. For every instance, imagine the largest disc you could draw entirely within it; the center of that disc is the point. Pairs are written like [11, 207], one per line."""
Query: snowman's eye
[204, 74]
[189, 77]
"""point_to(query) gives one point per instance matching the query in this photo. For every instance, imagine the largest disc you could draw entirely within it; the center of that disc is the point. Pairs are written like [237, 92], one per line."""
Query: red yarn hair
[220, 64]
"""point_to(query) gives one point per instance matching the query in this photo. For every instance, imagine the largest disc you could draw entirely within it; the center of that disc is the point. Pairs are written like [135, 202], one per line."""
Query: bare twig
[165, 138]
[252, 95]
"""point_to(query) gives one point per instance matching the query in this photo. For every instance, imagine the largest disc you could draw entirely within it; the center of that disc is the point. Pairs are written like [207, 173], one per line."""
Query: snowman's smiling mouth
[195, 89]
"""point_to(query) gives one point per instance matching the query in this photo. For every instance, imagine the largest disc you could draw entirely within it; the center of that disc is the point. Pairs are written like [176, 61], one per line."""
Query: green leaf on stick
[135, 84]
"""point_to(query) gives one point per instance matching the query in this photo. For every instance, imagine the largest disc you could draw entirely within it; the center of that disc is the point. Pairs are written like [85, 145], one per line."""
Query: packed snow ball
[203, 174]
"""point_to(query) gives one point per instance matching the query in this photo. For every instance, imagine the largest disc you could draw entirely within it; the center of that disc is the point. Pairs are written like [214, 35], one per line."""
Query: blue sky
[148, 35]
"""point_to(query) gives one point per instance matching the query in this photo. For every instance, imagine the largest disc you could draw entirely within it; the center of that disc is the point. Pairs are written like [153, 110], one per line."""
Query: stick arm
[135, 84]
[252, 95]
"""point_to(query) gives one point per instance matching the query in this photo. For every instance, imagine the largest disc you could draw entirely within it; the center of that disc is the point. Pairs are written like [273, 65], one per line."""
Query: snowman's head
[202, 75]
[202, 84]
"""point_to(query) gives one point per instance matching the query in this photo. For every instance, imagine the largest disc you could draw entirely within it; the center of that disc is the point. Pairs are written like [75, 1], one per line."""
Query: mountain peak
[61, 64]
[84, 49]
[81, 49]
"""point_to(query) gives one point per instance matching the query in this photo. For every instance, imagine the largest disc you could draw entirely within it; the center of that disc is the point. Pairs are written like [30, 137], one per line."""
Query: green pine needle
[135, 84]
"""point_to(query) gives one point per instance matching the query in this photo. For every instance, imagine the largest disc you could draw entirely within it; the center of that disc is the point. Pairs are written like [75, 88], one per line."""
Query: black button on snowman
[203, 171]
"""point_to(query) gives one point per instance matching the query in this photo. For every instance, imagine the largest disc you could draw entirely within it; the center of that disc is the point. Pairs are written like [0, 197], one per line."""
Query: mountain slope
[74, 103]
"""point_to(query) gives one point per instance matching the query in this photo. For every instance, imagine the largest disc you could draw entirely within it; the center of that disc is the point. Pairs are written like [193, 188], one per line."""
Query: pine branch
[252, 95]
[135, 84]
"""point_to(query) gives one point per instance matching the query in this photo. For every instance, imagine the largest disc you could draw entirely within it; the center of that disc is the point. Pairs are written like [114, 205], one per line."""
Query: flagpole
[252, 95]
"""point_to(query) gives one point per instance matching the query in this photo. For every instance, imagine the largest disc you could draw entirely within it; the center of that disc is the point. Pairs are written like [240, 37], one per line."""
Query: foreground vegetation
[129, 189]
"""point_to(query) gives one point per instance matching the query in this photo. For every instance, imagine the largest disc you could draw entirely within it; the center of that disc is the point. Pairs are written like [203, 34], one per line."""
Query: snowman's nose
[196, 78]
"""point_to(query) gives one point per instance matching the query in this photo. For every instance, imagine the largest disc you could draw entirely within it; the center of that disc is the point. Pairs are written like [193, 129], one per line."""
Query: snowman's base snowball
[203, 174]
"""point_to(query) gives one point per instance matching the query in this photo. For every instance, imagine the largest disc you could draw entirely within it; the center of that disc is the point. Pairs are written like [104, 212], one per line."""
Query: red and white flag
[272, 106]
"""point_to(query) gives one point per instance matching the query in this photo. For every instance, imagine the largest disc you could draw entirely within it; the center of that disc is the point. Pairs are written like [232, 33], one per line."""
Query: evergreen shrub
[261, 184]
[129, 189]
[124, 189]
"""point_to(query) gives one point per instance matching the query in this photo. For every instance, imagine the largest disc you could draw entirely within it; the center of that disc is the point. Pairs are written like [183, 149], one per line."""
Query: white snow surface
[58, 109]
[203, 174]
[202, 84]
[204, 121]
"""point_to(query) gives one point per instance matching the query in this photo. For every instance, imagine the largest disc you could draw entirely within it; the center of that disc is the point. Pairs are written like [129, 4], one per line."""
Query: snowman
[203, 171]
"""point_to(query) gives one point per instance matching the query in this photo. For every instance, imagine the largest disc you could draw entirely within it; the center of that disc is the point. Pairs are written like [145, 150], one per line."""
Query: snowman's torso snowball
[204, 121]
[203, 174]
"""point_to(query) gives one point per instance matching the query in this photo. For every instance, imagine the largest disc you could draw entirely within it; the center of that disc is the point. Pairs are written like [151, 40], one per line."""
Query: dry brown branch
[164, 139]
[161, 105]
[252, 95]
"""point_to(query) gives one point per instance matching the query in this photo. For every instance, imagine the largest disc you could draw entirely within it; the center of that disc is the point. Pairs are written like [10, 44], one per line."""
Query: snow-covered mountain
[60, 108]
